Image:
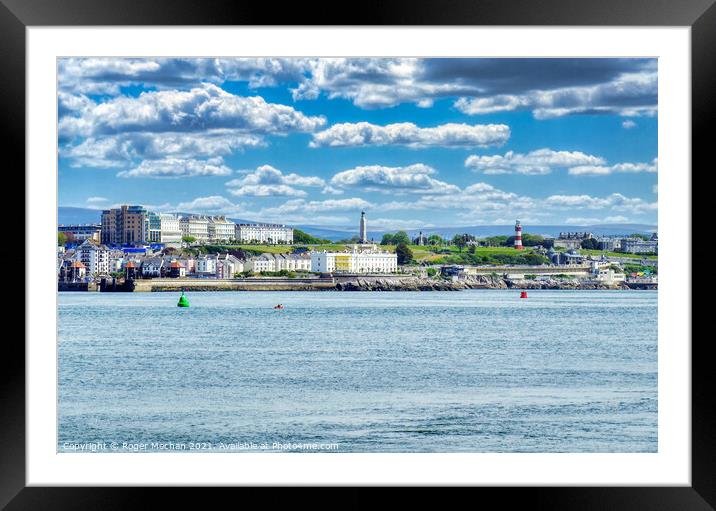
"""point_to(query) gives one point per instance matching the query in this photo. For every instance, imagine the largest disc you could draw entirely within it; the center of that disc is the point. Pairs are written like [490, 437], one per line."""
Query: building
[608, 275]
[639, 246]
[220, 229]
[518, 235]
[264, 233]
[420, 240]
[206, 266]
[176, 270]
[152, 267]
[127, 225]
[358, 260]
[153, 227]
[264, 262]
[562, 258]
[227, 266]
[571, 240]
[130, 270]
[609, 244]
[94, 257]
[81, 232]
[363, 229]
[72, 271]
[170, 230]
[196, 226]
[293, 262]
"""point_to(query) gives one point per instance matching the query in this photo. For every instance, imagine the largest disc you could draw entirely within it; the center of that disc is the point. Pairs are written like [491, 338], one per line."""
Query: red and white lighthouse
[518, 236]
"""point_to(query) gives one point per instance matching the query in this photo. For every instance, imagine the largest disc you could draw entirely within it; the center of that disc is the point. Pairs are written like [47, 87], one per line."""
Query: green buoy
[183, 302]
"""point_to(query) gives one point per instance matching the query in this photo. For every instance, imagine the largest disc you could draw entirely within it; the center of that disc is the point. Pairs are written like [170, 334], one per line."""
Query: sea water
[469, 371]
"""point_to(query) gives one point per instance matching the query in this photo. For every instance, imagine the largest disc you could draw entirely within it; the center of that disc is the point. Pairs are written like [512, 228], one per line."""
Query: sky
[416, 143]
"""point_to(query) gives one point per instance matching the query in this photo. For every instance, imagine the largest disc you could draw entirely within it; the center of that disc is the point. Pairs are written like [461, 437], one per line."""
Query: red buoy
[523, 294]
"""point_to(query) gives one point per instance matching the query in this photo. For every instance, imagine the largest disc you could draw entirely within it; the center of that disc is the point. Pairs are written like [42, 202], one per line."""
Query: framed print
[430, 247]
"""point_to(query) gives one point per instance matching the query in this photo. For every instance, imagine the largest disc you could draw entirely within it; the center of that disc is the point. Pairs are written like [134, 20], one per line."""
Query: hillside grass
[616, 254]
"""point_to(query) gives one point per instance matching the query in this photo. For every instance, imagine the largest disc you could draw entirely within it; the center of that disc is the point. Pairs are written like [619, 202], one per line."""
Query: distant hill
[481, 231]
[69, 215]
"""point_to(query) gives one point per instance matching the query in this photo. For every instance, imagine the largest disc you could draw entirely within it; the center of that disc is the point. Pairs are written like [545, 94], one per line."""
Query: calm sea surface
[471, 371]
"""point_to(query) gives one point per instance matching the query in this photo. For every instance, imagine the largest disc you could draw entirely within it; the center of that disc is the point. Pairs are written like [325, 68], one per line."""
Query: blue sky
[414, 142]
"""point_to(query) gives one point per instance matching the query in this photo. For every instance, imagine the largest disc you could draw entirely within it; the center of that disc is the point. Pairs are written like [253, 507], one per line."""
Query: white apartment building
[95, 257]
[170, 229]
[196, 226]
[639, 246]
[293, 262]
[264, 233]
[264, 262]
[221, 229]
[206, 265]
[358, 260]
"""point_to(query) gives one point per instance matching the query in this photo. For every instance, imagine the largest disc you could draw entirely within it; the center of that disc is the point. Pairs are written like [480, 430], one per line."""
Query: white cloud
[197, 110]
[630, 94]
[628, 124]
[118, 150]
[414, 178]
[214, 204]
[268, 181]
[97, 200]
[408, 134]
[303, 206]
[541, 161]
[107, 74]
[330, 190]
[596, 221]
[655, 188]
[548, 87]
[267, 191]
[614, 201]
[583, 170]
[177, 167]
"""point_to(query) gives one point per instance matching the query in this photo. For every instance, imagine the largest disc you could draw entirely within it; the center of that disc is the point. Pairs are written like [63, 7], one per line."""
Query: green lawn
[617, 254]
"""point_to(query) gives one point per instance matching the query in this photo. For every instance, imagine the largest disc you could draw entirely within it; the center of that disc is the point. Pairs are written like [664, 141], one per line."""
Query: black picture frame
[700, 15]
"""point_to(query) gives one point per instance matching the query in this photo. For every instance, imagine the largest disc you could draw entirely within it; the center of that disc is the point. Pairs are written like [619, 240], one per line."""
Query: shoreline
[362, 283]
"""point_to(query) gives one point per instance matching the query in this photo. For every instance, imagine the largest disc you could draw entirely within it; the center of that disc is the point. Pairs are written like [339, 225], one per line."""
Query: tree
[395, 239]
[188, 239]
[460, 241]
[497, 241]
[405, 255]
[435, 239]
[302, 237]
[590, 244]
[61, 239]
[401, 237]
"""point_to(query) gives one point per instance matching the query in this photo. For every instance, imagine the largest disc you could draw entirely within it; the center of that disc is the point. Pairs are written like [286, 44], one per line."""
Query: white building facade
[220, 229]
[170, 229]
[264, 233]
[206, 266]
[293, 262]
[95, 257]
[355, 261]
[196, 226]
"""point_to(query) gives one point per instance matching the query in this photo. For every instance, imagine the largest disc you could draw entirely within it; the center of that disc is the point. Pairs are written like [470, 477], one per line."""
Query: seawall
[366, 283]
